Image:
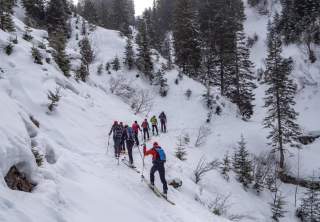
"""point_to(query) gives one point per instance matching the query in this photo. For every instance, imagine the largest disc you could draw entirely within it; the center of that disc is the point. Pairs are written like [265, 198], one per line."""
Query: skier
[163, 121]
[158, 160]
[117, 135]
[123, 138]
[154, 123]
[145, 129]
[130, 143]
[136, 128]
[115, 123]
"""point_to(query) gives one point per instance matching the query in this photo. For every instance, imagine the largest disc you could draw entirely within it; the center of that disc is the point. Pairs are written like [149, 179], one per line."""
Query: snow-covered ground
[80, 180]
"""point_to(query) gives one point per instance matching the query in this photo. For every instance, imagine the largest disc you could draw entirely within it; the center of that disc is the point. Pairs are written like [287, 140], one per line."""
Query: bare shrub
[121, 86]
[220, 205]
[202, 135]
[204, 167]
[142, 102]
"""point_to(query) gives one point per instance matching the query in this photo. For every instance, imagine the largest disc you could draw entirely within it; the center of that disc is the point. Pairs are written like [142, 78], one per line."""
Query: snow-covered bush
[36, 55]
[220, 205]
[180, 149]
[38, 157]
[9, 49]
[54, 98]
[100, 69]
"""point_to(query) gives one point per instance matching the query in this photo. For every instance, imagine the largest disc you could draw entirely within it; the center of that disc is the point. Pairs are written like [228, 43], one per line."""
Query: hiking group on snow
[125, 137]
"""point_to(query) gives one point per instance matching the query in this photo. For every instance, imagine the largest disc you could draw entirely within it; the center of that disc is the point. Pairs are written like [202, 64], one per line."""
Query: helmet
[155, 144]
[115, 122]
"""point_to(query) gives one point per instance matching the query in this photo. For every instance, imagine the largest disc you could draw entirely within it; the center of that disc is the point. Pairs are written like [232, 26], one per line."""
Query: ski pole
[108, 144]
[142, 158]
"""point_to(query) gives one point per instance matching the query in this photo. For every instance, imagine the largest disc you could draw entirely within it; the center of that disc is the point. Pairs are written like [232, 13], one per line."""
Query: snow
[80, 180]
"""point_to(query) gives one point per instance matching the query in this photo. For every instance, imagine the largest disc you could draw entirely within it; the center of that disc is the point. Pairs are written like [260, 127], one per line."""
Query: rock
[176, 183]
[18, 181]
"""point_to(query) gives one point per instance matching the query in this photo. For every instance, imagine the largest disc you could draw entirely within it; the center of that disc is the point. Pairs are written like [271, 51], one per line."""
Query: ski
[125, 162]
[157, 192]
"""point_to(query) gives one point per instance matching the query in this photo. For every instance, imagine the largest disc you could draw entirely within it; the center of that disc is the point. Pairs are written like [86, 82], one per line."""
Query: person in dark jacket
[130, 143]
[145, 128]
[158, 160]
[163, 122]
[116, 130]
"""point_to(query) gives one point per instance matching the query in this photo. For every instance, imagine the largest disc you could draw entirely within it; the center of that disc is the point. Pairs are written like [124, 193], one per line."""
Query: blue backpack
[161, 154]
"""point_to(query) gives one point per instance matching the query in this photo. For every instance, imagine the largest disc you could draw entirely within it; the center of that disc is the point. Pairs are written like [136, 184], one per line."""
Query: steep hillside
[80, 179]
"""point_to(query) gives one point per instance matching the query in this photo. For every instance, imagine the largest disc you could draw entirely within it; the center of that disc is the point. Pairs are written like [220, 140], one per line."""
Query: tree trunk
[281, 162]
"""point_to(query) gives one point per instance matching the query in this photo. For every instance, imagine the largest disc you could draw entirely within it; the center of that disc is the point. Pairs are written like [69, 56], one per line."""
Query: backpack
[144, 125]
[161, 154]
[130, 134]
[118, 131]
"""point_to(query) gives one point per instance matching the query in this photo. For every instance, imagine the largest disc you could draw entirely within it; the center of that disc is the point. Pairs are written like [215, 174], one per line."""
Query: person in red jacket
[145, 128]
[158, 160]
[136, 128]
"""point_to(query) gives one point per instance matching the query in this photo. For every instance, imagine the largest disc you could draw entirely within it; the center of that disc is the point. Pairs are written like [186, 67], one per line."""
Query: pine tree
[186, 38]
[160, 80]
[129, 54]
[35, 11]
[86, 52]
[116, 64]
[27, 33]
[90, 12]
[83, 72]
[84, 27]
[144, 60]
[226, 167]
[208, 98]
[121, 16]
[279, 101]
[277, 207]
[107, 67]
[36, 55]
[242, 164]
[57, 16]
[181, 152]
[309, 209]
[243, 83]
[6, 9]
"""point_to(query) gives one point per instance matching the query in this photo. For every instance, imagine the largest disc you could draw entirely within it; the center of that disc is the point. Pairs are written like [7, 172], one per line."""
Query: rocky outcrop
[18, 181]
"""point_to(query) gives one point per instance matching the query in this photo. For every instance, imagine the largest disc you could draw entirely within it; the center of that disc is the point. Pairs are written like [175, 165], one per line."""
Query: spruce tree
[161, 81]
[83, 72]
[6, 9]
[242, 164]
[144, 60]
[57, 16]
[36, 55]
[35, 11]
[121, 16]
[277, 207]
[309, 209]
[226, 167]
[243, 83]
[181, 152]
[129, 59]
[86, 52]
[116, 64]
[279, 101]
[186, 38]
[90, 12]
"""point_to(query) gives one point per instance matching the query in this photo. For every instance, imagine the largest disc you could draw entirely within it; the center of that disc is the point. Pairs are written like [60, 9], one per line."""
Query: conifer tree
[144, 60]
[161, 81]
[186, 38]
[57, 15]
[277, 207]
[116, 64]
[226, 167]
[90, 12]
[86, 52]
[242, 70]
[83, 72]
[120, 16]
[279, 101]
[181, 152]
[35, 11]
[129, 54]
[6, 9]
[36, 55]
[242, 164]
[309, 209]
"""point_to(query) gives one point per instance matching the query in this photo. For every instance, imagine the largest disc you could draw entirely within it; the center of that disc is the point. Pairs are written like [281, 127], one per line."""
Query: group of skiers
[125, 137]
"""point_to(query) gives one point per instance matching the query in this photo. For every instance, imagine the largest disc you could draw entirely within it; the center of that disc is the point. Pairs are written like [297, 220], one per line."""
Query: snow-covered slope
[80, 180]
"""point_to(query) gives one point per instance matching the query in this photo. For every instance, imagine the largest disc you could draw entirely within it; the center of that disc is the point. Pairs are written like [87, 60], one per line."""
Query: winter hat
[155, 144]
